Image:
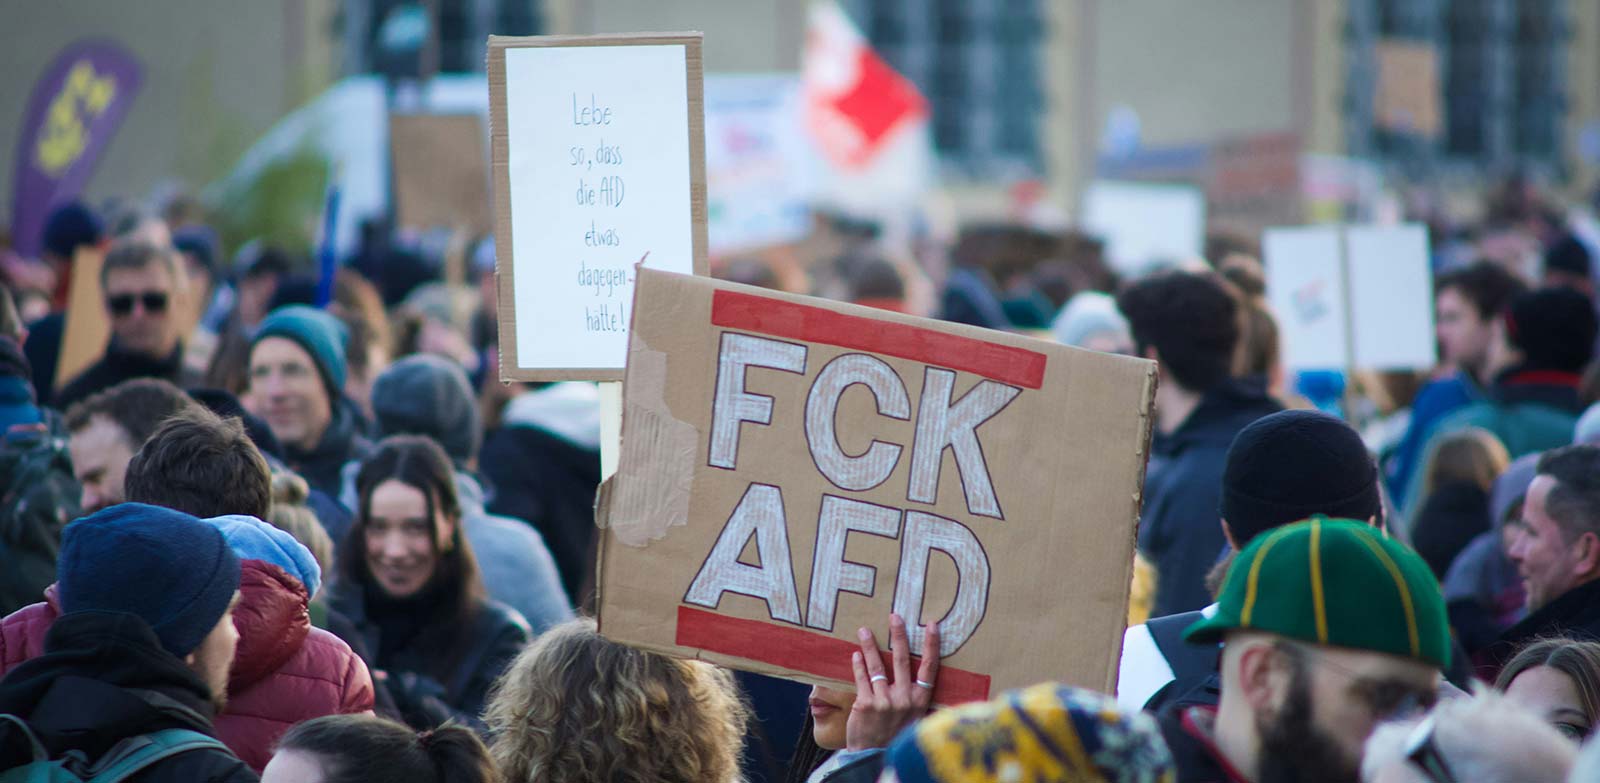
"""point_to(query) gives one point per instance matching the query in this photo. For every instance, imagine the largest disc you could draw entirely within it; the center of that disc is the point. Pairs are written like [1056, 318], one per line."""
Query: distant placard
[1383, 322]
[1407, 99]
[1143, 223]
[441, 174]
[599, 164]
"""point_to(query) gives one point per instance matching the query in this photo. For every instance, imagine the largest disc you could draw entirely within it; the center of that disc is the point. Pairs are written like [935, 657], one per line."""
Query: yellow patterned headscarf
[1048, 733]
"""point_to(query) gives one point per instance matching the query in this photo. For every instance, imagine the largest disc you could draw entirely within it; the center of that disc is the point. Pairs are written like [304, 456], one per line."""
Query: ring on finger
[925, 685]
[880, 678]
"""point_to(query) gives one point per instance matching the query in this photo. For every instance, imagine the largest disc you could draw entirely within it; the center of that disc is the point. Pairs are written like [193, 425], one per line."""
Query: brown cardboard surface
[1064, 457]
[1407, 99]
[510, 369]
[441, 171]
[87, 330]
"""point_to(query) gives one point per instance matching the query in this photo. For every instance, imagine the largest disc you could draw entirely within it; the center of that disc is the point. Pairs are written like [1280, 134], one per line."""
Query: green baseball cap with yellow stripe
[1337, 583]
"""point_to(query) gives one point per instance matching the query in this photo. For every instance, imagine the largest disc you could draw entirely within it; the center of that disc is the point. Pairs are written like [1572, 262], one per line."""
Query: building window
[1502, 66]
[977, 62]
[462, 28]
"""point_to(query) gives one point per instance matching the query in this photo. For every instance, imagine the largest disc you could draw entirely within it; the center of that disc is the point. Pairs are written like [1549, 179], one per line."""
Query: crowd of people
[293, 528]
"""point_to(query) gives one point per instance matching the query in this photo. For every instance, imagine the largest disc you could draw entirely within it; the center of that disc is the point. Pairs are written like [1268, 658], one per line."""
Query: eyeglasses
[1423, 753]
[122, 304]
[1387, 699]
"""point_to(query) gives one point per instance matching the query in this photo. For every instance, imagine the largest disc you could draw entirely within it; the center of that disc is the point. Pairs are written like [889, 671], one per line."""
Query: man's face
[287, 391]
[1334, 699]
[214, 657]
[1463, 336]
[100, 456]
[140, 302]
[1548, 562]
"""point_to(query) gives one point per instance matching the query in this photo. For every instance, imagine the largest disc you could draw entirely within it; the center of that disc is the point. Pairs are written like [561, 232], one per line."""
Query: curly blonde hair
[576, 707]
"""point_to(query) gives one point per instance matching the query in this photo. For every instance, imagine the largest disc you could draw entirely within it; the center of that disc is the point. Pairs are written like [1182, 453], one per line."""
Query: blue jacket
[1436, 400]
[1180, 530]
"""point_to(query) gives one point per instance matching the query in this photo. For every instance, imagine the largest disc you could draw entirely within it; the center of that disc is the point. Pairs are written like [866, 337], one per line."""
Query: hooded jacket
[284, 670]
[1180, 530]
[113, 662]
[544, 466]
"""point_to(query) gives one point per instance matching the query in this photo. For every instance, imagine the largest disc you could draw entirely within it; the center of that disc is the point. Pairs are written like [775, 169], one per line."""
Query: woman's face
[1553, 696]
[830, 710]
[402, 553]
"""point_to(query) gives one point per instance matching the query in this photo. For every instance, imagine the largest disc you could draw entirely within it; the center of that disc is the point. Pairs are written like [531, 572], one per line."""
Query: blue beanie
[70, 226]
[252, 539]
[167, 567]
[320, 334]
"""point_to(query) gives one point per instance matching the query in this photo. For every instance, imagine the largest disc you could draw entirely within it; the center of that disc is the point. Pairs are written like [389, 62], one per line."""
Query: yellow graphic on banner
[65, 135]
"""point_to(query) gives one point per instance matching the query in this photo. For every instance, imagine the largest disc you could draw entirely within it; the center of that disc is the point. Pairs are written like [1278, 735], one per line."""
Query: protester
[1556, 547]
[1568, 264]
[1536, 358]
[69, 227]
[200, 464]
[145, 298]
[850, 730]
[1558, 680]
[1188, 323]
[1455, 505]
[430, 396]
[1482, 590]
[409, 582]
[544, 463]
[143, 645]
[1483, 739]
[38, 493]
[297, 379]
[575, 707]
[1469, 304]
[109, 427]
[1282, 468]
[1091, 320]
[1328, 628]
[364, 749]
[1047, 732]
[290, 514]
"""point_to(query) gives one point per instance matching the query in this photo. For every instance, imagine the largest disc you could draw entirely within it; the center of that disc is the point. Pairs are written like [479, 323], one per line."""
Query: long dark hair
[808, 755]
[368, 749]
[455, 593]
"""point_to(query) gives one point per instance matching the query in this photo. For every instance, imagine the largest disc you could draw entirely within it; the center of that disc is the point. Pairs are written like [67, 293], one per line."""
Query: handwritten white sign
[603, 167]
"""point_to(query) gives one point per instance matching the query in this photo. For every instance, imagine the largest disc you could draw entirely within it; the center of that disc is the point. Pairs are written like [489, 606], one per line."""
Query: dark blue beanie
[314, 330]
[171, 569]
[70, 226]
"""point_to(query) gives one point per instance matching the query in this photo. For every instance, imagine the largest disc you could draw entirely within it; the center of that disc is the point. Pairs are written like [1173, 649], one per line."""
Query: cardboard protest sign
[440, 170]
[598, 159]
[793, 469]
[1145, 222]
[84, 338]
[1352, 297]
[1407, 99]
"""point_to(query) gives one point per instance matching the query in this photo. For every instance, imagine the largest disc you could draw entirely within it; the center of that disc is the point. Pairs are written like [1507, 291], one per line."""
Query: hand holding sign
[883, 706]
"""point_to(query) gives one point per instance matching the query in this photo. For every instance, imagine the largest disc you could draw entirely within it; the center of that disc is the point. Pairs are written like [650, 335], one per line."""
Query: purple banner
[75, 108]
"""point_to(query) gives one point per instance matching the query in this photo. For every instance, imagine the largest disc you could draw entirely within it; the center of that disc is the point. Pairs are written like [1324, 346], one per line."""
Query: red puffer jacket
[284, 671]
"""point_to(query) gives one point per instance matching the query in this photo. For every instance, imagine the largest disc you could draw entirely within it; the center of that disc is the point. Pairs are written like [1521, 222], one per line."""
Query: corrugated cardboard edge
[88, 328]
[500, 173]
[658, 468]
[1147, 402]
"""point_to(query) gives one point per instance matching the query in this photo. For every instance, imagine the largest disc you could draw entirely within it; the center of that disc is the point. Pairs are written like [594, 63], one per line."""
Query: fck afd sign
[793, 469]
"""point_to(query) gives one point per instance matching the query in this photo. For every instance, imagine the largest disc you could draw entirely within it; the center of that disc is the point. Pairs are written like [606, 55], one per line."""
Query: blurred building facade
[1054, 91]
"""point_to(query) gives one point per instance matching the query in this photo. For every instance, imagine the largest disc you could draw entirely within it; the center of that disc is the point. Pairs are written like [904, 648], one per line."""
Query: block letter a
[759, 514]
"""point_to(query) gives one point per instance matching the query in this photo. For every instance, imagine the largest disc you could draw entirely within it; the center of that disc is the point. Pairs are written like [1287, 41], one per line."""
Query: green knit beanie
[1336, 583]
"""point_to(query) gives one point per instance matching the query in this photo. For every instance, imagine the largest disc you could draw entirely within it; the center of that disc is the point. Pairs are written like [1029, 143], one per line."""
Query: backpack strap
[138, 753]
[34, 745]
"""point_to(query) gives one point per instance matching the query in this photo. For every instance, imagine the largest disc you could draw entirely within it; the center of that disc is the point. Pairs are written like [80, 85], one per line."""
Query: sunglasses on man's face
[122, 304]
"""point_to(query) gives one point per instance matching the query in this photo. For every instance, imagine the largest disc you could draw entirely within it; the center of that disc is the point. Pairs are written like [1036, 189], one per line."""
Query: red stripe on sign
[1016, 366]
[804, 651]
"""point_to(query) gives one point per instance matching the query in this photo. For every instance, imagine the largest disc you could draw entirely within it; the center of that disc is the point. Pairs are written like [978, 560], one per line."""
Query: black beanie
[1568, 255]
[1291, 465]
[1554, 328]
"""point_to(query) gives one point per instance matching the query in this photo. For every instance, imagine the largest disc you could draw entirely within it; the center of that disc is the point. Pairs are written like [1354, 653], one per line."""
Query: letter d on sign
[925, 533]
